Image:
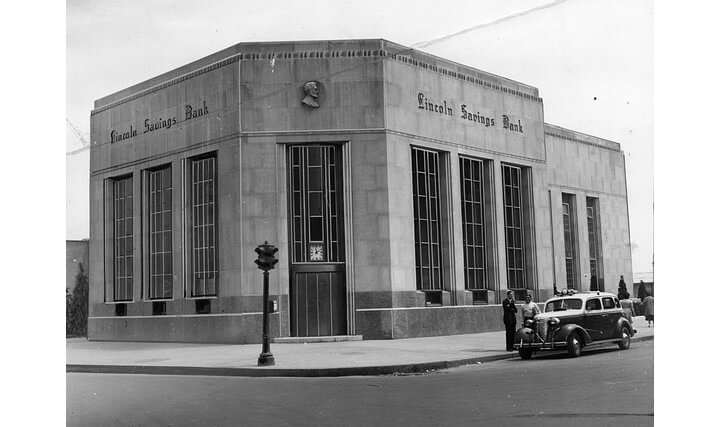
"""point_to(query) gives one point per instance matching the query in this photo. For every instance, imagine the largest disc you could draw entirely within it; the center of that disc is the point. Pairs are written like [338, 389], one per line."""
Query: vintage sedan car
[572, 321]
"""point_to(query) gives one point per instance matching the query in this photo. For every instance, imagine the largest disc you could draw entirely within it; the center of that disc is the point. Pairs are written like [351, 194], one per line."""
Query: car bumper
[540, 345]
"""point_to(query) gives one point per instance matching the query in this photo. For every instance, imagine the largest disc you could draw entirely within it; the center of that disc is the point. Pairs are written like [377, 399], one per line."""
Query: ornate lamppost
[266, 261]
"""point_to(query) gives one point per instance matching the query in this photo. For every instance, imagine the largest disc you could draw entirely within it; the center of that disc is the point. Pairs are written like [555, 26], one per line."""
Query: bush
[76, 306]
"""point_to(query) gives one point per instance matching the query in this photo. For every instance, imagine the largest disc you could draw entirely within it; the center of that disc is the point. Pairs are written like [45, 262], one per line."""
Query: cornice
[323, 54]
[464, 77]
[579, 141]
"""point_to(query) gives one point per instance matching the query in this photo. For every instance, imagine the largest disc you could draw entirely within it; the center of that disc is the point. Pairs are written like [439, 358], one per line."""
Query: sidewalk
[372, 357]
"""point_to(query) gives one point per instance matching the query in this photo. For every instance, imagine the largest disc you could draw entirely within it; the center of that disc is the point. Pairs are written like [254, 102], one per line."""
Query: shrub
[76, 306]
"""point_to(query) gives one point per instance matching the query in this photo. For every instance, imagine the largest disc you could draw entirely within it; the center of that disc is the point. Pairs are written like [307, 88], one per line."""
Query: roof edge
[313, 46]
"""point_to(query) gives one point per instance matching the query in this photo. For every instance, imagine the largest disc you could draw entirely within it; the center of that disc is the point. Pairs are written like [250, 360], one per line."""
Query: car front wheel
[625, 343]
[574, 346]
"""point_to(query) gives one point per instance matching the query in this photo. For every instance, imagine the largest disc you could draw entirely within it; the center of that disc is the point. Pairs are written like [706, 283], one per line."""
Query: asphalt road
[602, 387]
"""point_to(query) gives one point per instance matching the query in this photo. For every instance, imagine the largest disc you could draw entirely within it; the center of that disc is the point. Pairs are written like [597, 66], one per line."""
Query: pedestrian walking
[509, 319]
[628, 309]
[529, 309]
[649, 306]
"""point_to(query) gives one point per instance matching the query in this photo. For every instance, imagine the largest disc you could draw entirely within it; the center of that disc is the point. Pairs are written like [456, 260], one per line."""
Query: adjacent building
[405, 192]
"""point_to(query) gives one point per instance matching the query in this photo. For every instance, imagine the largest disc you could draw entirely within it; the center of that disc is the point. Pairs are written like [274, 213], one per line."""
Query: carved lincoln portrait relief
[311, 94]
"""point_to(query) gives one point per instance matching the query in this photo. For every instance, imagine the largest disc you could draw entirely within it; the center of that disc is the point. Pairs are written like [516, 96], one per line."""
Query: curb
[411, 368]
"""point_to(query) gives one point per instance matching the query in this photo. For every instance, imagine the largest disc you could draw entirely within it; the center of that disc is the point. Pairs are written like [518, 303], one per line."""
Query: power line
[85, 143]
[488, 24]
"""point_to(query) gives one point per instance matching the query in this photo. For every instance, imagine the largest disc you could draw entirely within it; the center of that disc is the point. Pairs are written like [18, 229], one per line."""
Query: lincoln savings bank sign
[155, 124]
[424, 103]
[405, 194]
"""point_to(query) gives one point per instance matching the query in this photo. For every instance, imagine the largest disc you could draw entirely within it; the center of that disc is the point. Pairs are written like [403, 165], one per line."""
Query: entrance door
[317, 267]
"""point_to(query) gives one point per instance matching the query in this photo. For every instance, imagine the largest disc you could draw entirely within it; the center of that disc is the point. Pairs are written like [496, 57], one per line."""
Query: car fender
[525, 335]
[622, 321]
[565, 330]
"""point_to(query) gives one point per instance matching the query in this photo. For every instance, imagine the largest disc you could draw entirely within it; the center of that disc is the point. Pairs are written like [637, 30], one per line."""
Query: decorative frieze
[320, 54]
[470, 79]
[579, 141]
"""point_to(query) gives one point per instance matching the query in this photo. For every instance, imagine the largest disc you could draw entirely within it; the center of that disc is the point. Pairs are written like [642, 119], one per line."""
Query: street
[604, 386]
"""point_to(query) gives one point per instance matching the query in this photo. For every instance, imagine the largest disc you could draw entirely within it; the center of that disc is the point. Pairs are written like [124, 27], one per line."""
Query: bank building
[405, 193]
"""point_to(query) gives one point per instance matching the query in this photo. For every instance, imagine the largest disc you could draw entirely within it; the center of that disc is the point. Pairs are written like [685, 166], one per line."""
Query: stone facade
[377, 100]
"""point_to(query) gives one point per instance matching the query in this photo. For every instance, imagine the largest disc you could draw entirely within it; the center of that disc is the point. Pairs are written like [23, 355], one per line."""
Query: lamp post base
[266, 359]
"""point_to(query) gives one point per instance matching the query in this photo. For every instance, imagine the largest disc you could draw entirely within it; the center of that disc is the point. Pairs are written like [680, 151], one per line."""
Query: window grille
[315, 204]
[428, 261]
[569, 236]
[596, 279]
[123, 239]
[160, 233]
[473, 213]
[203, 203]
[514, 227]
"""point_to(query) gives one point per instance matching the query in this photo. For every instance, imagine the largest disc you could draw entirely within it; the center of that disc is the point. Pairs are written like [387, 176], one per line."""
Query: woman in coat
[649, 306]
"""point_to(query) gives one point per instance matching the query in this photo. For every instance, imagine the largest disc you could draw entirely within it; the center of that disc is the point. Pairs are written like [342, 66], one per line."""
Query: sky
[592, 61]
[58, 61]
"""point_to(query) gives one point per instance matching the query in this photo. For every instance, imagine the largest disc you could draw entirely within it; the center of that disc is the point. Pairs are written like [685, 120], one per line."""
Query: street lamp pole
[266, 261]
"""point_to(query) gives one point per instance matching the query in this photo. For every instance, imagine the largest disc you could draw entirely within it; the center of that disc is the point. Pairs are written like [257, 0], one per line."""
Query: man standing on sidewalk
[529, 310]
[509, 319]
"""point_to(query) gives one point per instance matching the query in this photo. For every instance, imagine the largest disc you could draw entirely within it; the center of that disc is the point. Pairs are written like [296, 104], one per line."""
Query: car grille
[542, 328]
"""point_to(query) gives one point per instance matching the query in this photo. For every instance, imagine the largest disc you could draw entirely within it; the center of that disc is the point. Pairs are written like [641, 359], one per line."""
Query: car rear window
[563, 304]
[608, 303]
[593, 304]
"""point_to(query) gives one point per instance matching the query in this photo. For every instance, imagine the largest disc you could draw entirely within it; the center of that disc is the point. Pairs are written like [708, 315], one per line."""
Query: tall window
[122, 239]
[160, 233]
[428, 262]
[596, 276]
[568, 204]
[316, 204]
[203, 202]
[473, 214]
[514, 227]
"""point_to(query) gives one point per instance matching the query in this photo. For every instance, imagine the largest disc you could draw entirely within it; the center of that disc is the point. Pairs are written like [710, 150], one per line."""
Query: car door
[612, 313]
[594, 318]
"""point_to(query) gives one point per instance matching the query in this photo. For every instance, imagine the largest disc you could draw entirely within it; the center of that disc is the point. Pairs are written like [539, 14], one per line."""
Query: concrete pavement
[322, 359]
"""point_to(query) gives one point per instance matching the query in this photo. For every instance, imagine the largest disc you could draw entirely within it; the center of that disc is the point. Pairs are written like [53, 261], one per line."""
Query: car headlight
[529, 323]
[554, 321]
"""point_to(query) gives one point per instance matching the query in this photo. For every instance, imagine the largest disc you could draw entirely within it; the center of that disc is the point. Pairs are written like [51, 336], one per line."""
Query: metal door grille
[315, 204]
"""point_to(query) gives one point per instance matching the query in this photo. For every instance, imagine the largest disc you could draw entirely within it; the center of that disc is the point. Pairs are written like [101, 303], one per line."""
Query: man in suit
[509, 319]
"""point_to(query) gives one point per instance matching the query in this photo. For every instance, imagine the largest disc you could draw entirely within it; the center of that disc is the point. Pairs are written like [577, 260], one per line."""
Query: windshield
[563, 304]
